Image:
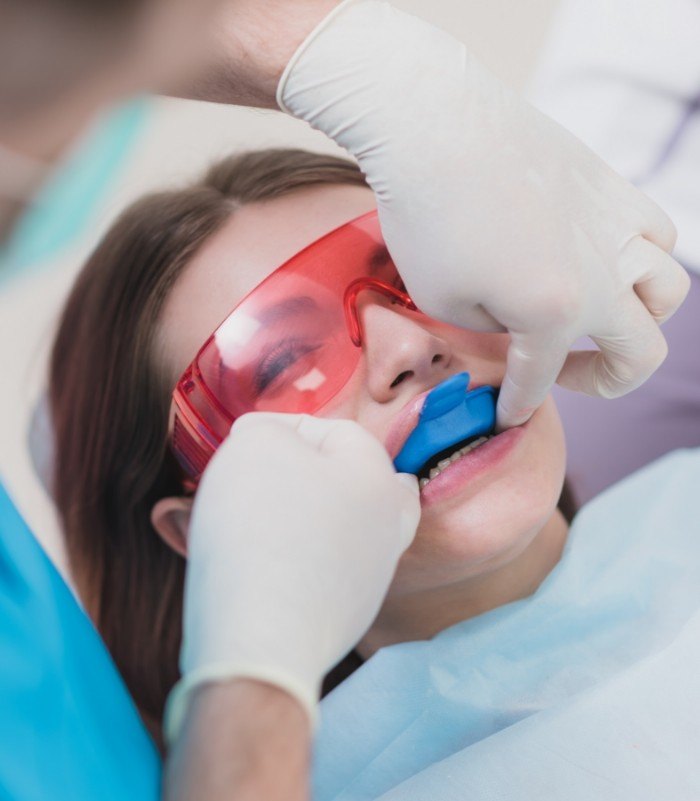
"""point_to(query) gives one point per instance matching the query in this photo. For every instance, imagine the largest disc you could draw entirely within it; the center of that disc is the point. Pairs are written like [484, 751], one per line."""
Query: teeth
[443, 464]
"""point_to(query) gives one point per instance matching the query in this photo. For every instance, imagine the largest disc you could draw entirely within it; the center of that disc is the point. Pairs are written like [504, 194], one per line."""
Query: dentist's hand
[497, 218]
[297, 528]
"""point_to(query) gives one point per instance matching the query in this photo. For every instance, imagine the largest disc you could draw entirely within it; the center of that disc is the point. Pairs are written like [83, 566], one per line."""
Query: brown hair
[109, 403]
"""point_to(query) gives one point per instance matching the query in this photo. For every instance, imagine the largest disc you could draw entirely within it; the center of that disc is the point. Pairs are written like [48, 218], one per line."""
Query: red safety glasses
[289, 346]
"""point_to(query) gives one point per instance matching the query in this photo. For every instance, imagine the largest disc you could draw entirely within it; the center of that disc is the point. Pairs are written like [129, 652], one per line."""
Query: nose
[399, 351]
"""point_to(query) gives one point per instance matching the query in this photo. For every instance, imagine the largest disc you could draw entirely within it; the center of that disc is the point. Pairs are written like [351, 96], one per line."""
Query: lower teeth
[445, 463]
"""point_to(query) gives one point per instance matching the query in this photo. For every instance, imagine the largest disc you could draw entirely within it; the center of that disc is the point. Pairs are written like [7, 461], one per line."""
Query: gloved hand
[496, 216]
[296, 531]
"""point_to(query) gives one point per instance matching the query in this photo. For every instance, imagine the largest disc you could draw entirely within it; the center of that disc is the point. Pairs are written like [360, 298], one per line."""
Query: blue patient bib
[69, 730]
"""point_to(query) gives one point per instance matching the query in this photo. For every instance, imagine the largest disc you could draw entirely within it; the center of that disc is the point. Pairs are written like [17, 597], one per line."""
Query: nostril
[437, 358]
[401, 377]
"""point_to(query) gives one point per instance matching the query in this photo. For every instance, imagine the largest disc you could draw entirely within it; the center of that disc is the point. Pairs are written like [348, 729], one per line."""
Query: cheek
[494, 525]
[353, 403]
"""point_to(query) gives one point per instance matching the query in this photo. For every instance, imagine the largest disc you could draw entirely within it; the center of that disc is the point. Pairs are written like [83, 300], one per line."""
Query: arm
[280, 585]
[241, 740]
[534, 233]
[251, 45]
[518, 244]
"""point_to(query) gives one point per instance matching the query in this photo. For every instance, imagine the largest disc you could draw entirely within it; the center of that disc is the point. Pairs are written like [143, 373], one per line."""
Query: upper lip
[407, 419]
[404, 422]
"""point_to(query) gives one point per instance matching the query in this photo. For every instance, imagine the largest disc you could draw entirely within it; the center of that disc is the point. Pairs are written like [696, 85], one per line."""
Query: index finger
[313, 431]
[533, 364]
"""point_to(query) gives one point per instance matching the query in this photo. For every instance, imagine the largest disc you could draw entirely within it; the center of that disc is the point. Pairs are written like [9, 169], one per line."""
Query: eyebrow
[289, 307]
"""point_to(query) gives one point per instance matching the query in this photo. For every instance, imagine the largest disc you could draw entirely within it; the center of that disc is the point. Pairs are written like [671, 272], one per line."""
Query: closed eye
[280, 358]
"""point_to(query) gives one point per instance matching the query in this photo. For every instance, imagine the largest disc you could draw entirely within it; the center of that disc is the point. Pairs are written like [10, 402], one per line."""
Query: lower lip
[476, 463]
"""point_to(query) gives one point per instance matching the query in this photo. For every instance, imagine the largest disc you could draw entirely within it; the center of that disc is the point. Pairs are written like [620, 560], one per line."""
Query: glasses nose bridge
[353, 290]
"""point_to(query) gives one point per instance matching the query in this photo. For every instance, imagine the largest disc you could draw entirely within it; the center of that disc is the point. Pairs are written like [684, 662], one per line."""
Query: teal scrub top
[69, 730]
[66, 204]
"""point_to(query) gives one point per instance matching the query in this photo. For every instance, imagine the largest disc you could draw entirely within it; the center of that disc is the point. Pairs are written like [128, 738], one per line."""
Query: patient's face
[482, 511]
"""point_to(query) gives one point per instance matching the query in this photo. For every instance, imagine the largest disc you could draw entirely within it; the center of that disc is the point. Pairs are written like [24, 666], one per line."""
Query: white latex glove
[497, 217]
[296, 531]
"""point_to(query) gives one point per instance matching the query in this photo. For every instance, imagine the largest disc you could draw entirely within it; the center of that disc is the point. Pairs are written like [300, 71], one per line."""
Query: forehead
[251, 244]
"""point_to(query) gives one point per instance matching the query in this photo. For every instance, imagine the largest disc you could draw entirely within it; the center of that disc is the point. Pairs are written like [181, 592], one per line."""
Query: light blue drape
[588, 689]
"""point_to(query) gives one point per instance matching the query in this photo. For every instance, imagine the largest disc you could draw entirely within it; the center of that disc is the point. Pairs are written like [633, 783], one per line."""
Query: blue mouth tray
[449, 415]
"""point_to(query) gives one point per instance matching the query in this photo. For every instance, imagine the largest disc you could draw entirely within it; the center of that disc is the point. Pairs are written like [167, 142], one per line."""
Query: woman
[151, 278]
[167, 273]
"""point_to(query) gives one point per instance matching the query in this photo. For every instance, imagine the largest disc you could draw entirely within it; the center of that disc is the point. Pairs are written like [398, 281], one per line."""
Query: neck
[421, 615]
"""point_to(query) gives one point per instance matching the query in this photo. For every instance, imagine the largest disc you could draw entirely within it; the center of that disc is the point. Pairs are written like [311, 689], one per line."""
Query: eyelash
[275, 362]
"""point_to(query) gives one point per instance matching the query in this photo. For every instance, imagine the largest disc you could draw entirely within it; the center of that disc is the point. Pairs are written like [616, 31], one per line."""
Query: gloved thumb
[534, 362]
[409, 497]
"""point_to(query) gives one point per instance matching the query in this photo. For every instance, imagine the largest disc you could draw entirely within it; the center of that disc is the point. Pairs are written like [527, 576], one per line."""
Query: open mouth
[443, 459]
[454, 420]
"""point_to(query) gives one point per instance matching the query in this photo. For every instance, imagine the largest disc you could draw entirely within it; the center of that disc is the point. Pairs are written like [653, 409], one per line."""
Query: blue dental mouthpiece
[450, 415]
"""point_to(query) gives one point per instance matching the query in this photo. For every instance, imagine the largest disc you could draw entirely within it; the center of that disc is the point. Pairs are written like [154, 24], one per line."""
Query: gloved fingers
[341, 439]
[629, 354]
[660, 281]
[534, 361]
[255, 420]
[643, 215]
[346, 441]
[477, 318]
[310, 430]
[409, 498]
[456, 311]
[658, 226]
[255, 432]
[315, 431]
[409, 482]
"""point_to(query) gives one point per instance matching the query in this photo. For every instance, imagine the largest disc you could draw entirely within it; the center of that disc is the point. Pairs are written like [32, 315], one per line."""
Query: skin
[165, 41]
[488, 543]
[244, 741]
[226, 51]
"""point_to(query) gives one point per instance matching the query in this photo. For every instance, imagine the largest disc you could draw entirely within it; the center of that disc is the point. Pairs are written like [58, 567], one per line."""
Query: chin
[489, 528]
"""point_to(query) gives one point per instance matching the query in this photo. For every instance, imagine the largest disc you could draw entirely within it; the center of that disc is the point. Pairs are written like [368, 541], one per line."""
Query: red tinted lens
[286, 347]
[290, 355]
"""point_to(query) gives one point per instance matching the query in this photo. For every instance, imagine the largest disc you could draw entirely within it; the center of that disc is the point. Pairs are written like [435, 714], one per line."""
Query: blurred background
[176, 140]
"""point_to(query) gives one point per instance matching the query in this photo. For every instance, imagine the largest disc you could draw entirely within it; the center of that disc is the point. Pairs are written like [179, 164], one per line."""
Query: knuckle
[564, 307]
[351, 432]
[656, 352]
[668, 233]
[608, 386]
[614, 378]
[682, 285]
[619, 377]
[657, 225]
[660, 311]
